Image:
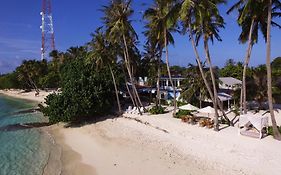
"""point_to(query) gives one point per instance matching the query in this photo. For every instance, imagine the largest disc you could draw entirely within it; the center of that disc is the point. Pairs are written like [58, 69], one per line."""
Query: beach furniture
[133, 110]
[188, 107]
[207, 110]
[129, 109]
[256, 120]
[142, 109]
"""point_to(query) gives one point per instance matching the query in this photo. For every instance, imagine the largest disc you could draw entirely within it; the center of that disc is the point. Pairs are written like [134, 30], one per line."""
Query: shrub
[157, 110]
[270, 130]
[85, 94]
[180, 103]
[182, 113]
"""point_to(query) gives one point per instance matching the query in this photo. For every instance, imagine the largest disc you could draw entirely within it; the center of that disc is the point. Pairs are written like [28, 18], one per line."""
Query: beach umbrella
[188, 107]
[207, 110]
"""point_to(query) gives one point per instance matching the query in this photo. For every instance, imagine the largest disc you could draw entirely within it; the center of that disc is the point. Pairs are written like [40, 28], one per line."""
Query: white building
[165, 81]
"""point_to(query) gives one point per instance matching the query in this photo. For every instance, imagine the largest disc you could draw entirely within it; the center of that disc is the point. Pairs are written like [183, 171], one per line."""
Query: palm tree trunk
[158, 80]
[128, 89]
[216, 121]
[204, 76]
[200, 100]
[129, 92]
[127, 63]
[276, 133]
[169, 72]
[241, 99]
[33, 85]
[247, 59]
[132, 83]
[116, 90]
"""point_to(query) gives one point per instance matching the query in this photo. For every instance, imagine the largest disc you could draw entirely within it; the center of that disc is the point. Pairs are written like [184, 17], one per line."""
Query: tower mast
[47, 27]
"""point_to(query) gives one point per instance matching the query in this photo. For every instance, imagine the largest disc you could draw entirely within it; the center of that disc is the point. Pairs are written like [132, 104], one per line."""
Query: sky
[75, 20]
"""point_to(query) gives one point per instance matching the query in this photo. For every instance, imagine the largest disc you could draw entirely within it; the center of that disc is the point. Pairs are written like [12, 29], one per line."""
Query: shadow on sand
[89, 121]
[23, 126]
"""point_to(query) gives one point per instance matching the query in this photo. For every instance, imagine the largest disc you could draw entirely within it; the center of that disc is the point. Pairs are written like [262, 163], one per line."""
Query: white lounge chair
[142, 109]
[133, 110]
[129, 109]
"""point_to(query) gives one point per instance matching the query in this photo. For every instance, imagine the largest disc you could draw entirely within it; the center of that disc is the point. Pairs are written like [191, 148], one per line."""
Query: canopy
[207, 110]
[224, 96]
[188, 107]
[257, 120]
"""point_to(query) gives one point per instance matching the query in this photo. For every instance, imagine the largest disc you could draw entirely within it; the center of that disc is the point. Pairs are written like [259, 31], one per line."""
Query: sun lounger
[133, 111]
[129, 109]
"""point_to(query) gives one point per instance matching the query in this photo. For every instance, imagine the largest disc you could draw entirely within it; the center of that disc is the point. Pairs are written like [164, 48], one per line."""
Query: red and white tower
[48, 37]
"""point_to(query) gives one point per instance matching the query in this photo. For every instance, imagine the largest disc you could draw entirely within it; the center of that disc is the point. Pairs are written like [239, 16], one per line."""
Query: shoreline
[125, 146]
[62, 159]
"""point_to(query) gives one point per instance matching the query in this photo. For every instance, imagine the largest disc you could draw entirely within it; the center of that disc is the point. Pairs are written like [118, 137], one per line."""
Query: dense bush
[157, 110]
[51, 80]
[85, 93]
[181, 113]
[9, 81]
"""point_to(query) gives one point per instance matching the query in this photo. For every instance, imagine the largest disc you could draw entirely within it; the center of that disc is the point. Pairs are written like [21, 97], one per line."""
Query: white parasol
[188, 107]
[207, 110]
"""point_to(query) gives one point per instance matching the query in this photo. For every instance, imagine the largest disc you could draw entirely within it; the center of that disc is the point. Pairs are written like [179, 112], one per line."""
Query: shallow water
[23, 150]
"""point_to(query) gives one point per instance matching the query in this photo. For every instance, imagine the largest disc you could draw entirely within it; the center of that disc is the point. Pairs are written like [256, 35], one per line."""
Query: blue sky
[20, 35]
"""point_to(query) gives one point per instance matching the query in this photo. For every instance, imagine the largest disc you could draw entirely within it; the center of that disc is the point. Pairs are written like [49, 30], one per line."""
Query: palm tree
[259, 83]
[202, 18]
[276, 133]
[30, 71]
[119, 30]
[161, 21]
[252, 18]
[154, 55]
[193, 87]
[103, 55]
[206, 25]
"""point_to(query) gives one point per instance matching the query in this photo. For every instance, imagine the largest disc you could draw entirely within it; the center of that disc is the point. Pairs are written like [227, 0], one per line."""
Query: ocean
[24, 150]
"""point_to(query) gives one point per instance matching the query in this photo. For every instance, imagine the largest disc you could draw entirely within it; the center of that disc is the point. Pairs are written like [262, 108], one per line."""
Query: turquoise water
[23, 151]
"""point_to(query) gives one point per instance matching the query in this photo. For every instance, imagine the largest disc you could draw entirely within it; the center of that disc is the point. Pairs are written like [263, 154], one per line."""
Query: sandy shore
[26, 95]
[163, 145]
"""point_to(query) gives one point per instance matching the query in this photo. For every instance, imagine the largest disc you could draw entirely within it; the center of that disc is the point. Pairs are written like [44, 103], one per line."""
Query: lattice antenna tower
[48, 36]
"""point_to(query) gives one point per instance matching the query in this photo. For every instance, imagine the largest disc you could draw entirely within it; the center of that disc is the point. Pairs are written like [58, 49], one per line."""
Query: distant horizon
[20, 35]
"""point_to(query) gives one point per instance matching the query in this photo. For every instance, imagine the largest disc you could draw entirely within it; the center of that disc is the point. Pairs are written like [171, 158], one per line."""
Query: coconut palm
[207, 24]
[153, 54]
[120, 31]
[161, 19]
[30, 71]
[193, 87]
[276, 133]
[252, 18]
[103, 55]
[202, 19]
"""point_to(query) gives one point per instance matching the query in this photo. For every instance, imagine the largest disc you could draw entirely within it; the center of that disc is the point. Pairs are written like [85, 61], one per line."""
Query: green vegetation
[84, 94]
[157, 110]
[91, 76]
[182, 113]
[270, 130]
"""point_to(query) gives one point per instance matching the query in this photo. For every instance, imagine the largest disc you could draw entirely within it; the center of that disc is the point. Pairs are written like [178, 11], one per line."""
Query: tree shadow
[88, 121]
[27, 111]
[23, 126]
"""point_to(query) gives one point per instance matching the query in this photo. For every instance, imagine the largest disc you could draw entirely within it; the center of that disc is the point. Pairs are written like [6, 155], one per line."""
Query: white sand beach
[17, 93]
[162, 145]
